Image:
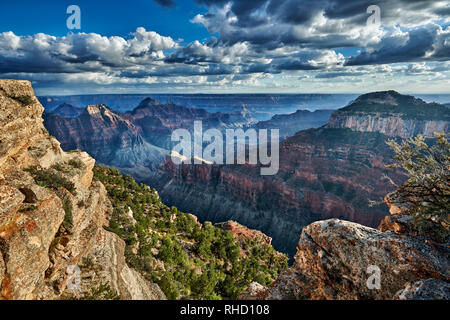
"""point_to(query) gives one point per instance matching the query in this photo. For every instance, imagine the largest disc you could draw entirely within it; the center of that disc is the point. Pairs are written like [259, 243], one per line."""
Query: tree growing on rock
[426, 193]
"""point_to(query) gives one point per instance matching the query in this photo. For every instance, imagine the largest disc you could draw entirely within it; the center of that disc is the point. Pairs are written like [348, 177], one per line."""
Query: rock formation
[241, 232]
[335, 260]
[108, 136]
[392, 114]
[343, 260]
[430, 289]
[52, 212]
[255, 291]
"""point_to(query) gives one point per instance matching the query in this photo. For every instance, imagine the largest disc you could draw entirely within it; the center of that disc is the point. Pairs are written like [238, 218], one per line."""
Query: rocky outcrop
[342, 260]
[392, 114]
[52, 213]
[105, 264]
[241, 232]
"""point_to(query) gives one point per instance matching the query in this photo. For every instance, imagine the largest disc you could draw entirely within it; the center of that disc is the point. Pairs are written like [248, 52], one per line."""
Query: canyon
[324, 173]
[335, 171]
[53, 214]
[332, 171]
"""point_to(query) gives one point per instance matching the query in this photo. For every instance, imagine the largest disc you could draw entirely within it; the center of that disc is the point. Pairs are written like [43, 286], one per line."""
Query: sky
[227, 46]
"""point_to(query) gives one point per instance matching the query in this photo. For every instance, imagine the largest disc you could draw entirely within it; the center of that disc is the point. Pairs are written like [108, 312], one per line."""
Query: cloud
[255, 43]
[312, 23]
[80, 52]
[425, 43]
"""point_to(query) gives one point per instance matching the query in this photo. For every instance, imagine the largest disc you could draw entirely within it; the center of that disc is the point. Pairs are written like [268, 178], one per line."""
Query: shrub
[50, 179]
[198, 263]
[76, 163]
[68, 217]
[426, 193]
[102, 292]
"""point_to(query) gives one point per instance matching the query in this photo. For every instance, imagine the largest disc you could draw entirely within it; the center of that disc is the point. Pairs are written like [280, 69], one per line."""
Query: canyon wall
[394, 125]
[52, 212]
[392, 114]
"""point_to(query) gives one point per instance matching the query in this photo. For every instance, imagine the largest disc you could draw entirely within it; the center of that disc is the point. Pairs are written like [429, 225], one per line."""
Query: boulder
[343, 260]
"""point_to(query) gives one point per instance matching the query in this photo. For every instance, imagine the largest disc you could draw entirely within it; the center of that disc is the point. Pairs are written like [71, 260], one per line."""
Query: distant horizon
[289, 102]
[238, 93]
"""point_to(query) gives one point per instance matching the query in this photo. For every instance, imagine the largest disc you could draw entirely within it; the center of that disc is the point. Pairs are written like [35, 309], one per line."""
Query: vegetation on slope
[186, 259]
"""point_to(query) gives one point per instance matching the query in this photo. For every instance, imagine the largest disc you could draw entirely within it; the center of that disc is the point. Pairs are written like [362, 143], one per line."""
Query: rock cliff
[392, 114]
[52, 212]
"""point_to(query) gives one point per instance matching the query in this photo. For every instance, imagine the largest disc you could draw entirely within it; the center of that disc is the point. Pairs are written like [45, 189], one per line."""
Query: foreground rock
[52, 213]
[430, 289]
[105, 263]
[340, 260]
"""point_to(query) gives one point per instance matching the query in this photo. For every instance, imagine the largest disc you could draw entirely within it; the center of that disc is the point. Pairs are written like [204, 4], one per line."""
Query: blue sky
[109, 18]
[174, 46]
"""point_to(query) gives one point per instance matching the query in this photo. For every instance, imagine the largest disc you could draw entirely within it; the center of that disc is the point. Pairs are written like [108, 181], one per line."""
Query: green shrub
[426, 193]
[50, 179]
[76, 163]
[68, 217]
[102, 292]
[199, 263]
